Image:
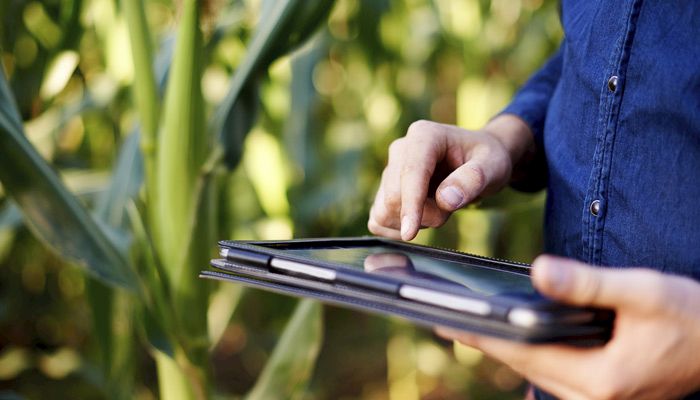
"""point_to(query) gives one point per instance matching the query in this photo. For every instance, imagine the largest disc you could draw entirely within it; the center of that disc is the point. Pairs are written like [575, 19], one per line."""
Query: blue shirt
[616, 114]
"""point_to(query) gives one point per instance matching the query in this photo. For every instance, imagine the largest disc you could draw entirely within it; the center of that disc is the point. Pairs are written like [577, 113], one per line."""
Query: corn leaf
[70, 22]
[10, 216]
[157, 312]
[183, 212]
[52, 213]
[242, 117]
[144, 88]
[290, 366]
[110, 210]
[124, 184]
[10, 219]
[303, 139]
[182, 144]
[101, 299]
[283, 25]
[162, 62]
[192, 294]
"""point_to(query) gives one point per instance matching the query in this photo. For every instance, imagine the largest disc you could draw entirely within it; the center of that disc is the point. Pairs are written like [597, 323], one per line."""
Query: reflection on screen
[393, 261]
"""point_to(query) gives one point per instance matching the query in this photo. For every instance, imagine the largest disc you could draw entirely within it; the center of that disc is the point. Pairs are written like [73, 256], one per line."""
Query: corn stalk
[171, 229]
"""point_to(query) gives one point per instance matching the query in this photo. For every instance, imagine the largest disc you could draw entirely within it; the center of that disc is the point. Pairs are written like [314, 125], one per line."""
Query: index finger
[415, 180]
[414, 192]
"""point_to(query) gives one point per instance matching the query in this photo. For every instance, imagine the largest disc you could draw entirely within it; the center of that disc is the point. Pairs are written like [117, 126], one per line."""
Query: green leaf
[70, 23]
[182, 146]
[144, 88]
[295, 26]
[239, 122]
[182, 216]
[124, 185]
[52, 213]
[283, 26]
[101, 299]
[157, 311]
[223, 304]
[172, 381]
[303, 139]
[10, 216]
[155, 333]
[191, 294]
[110, 210]
[10, 219]
[289, 369]
[113, 308]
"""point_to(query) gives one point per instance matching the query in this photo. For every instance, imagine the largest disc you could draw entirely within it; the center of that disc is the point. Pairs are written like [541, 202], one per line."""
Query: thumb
[576, 283]
[462, 186]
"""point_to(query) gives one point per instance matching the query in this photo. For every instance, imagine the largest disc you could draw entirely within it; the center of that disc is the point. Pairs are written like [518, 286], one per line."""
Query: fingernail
[406, 227]
[452, 196]
[556, 276]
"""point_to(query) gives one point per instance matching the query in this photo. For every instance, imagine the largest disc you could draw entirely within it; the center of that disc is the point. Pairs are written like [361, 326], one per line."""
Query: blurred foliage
[309, 167]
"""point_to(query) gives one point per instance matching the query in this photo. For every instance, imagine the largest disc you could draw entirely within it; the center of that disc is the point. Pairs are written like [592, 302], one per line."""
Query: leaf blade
[284, 25]
[289, 368]
[53, 214]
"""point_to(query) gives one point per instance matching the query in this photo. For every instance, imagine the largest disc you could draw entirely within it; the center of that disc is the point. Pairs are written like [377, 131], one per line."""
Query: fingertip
[444, 332]
[408, 228]
[542, 259]
[551, 276]
[370, 226]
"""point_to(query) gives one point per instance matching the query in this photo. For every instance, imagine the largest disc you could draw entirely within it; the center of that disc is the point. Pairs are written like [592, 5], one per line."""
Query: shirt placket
[596, 206]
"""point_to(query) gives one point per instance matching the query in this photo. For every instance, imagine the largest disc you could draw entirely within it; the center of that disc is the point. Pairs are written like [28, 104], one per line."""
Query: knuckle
[383, 218]
[477, 175]
[420, 127]
[588, 289]
[415, 170]
[657, 291]
[396, 146]
[392, 200]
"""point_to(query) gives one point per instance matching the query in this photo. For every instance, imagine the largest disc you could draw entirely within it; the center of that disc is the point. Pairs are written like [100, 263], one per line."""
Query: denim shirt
[616, 112]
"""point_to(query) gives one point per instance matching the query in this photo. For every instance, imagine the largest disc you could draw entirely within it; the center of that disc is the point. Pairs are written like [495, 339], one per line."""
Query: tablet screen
[394, 261]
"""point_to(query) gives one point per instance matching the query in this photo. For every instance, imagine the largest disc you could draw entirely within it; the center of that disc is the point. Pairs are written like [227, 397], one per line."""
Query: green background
[309, 167]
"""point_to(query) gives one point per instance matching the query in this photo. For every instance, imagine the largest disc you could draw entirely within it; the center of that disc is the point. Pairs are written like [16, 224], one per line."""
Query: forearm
[515, 135]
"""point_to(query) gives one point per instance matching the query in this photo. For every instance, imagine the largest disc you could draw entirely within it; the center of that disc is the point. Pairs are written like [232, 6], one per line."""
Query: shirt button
[612, 83]
[595, 207]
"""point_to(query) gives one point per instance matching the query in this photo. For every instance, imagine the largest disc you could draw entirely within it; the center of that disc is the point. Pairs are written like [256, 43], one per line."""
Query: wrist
[514, 134]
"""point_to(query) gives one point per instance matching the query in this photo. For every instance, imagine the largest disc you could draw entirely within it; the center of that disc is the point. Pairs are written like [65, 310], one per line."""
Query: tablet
[427, 285]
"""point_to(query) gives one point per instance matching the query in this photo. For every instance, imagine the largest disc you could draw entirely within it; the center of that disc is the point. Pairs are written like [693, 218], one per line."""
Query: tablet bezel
[547, 312]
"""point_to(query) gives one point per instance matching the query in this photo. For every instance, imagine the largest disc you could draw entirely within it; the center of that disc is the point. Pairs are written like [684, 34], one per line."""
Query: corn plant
[163, 198]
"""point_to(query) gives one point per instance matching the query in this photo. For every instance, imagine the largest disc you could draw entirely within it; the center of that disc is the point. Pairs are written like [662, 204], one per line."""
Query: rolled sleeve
[532, 100]
[530, 104]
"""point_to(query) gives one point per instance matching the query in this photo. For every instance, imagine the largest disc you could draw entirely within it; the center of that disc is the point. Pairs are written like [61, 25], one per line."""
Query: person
[611, 125]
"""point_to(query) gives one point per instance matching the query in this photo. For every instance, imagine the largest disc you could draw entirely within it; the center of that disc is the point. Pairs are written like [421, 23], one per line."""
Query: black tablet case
[590, 333]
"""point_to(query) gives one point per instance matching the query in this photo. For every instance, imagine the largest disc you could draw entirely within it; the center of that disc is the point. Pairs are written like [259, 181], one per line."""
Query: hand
[461, 164]
[653, 353]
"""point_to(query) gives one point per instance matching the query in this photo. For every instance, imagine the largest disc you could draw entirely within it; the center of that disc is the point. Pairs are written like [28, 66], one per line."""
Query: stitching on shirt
[592, 244]
[606, 168]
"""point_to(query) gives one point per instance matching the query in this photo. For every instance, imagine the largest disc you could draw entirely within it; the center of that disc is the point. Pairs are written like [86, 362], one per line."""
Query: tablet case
[580, 334]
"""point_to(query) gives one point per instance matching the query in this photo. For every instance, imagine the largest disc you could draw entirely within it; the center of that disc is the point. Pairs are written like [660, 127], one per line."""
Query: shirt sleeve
[532, 100]
[530, 104]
